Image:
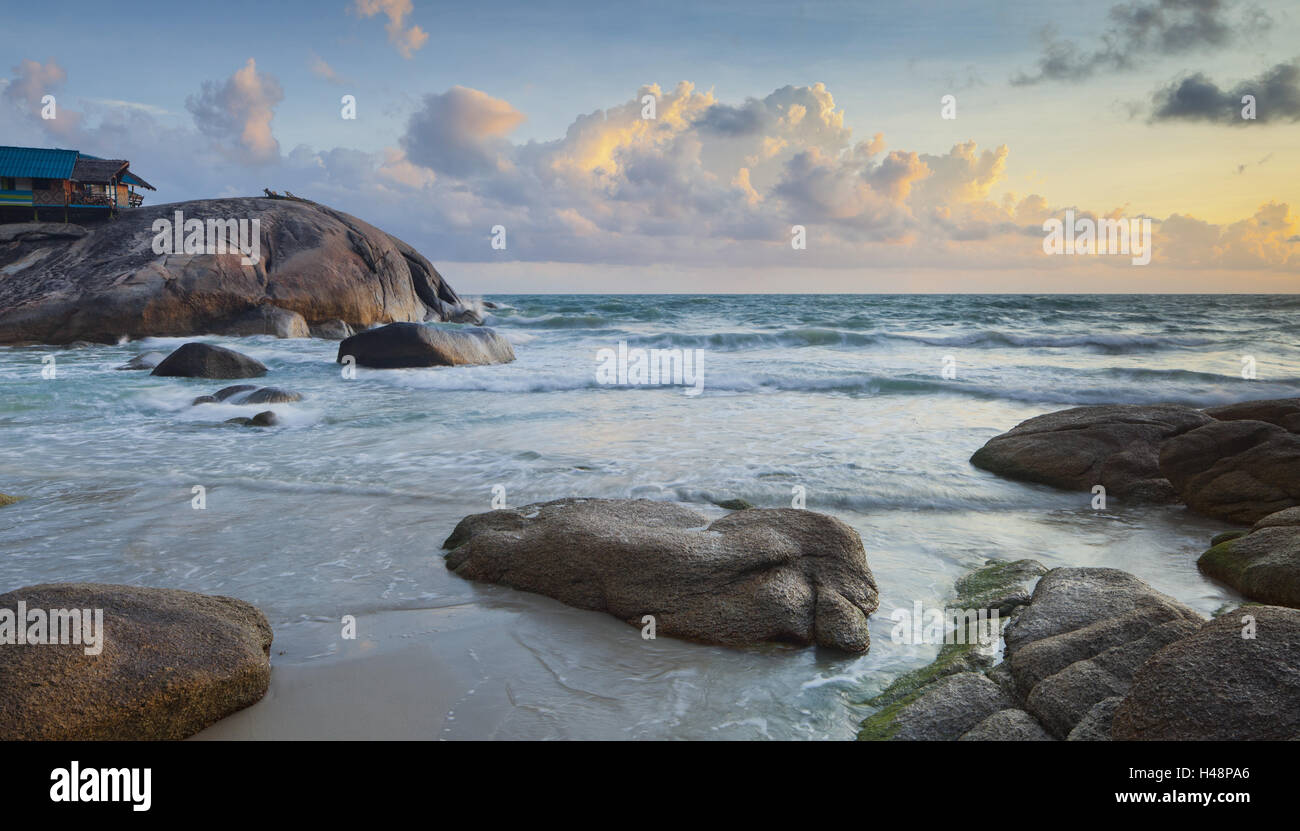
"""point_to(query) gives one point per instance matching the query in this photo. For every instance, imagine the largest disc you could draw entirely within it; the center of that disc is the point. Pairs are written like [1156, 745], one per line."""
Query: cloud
[460, 132]
[408, 40]
[321, 69]
[236, 114]
[1197, 98]
[32, 81]
[1140, 30]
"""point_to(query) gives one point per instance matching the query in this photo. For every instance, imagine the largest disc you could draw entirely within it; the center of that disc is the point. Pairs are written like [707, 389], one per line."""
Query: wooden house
[54, 184]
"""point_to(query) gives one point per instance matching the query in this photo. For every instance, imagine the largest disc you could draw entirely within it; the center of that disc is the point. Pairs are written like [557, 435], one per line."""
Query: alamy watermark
[1086, 235]
[637, 367]
[23, 626]
[212, 236]
[945, 626]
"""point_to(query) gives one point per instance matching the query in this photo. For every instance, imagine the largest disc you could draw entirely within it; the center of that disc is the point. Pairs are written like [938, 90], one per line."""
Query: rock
[948, 709]
[1217, 685]
[331, 330]
[250, 394]
[1114, 445]
[1284, 412]
[413, 345]
[465, 314]
[266, 418]
[1240, 471]
[1084, 634]
[1225, 536]
[998, 586]
[1011, 725]
[1264, 563]
[172, 663]
[268, 320]
[1095, 725]
[782, 575]
[145, 360]
[733, 504]
[98, 283]
[7, 500]
[203, 360]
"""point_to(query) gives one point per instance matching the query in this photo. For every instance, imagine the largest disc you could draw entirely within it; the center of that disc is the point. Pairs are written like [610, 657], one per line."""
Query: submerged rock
[98, 283]
[1240, 471]
[733, 504]
[1115, 445]
[250, 394]
[413, 345]
[6, 500]
[1264, 563]
[268, 320]
[782, 575]
[266, 418]
[171, 663]
[203, 360]
[145, 360]
[1218, 684]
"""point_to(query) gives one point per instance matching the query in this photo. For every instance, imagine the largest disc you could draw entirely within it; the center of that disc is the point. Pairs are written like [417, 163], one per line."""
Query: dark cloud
[1139, 30]
[1197, 98]
[748, 120]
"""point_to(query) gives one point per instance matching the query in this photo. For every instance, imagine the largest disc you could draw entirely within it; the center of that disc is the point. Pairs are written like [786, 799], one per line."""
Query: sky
[531, 118]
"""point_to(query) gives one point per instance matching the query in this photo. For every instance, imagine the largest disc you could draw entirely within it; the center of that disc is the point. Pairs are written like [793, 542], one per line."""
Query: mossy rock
[732, 504]
[6, 499]
[999, 584]
[1226, 536]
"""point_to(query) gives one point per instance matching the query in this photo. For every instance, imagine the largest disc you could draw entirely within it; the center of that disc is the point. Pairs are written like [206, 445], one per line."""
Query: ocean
[867, 407]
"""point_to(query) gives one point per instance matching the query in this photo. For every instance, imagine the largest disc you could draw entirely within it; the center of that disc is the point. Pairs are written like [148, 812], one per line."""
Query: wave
[817, 336]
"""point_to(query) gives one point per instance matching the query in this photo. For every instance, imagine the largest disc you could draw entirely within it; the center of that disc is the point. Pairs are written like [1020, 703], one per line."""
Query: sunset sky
[529, 115]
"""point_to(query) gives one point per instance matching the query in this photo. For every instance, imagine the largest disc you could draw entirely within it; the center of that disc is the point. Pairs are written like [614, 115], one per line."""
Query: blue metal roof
[36, 162]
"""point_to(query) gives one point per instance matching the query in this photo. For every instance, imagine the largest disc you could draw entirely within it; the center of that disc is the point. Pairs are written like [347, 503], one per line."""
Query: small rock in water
[266, 418]
[269, 320]
[250, 394]
[332, 330]
[145, 360]
[203, 360]
[6, 499]
[732, 504]
[415, 345]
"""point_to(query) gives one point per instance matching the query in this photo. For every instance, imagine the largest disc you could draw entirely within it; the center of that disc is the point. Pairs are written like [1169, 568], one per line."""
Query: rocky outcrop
[1236, 678]
[1082, 637]
[414, 345]
[1116, 446]
[1240, 471]
[753, 576]
[99, 283]
[1070, 655]
[1264, 563]
[203, 360]
[170, 663]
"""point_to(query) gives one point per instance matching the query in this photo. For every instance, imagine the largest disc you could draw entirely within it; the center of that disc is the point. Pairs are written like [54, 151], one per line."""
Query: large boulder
[268, 320]
[99, 283]
[1083, 635]
[171, 663]
[1263, 564]
[1116, 446]
[1240, 471]
[203, 360]
[782, 575]
[1236, 678]
[414, 345]
[331, 330]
